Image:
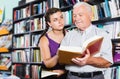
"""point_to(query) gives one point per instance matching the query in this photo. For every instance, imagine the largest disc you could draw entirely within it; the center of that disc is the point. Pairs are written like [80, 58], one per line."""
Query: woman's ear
[49, 24]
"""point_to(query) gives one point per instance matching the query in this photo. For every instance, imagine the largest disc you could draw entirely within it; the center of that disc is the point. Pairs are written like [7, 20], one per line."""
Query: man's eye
[74, 16]
[80, 15]
[61, 17]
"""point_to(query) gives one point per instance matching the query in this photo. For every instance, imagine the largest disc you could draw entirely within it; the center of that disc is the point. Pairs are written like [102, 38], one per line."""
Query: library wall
[8, 11]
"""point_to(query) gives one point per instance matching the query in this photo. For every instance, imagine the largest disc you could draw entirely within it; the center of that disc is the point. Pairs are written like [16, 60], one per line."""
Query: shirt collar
[89, 29]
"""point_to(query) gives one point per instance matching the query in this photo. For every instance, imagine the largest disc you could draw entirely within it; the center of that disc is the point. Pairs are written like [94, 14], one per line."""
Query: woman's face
[56, 21]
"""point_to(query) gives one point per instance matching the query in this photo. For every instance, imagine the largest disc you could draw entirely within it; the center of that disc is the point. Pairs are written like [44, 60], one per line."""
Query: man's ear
[91, 15]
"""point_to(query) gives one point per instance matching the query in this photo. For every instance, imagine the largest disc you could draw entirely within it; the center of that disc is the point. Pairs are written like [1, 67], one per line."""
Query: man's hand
[82, 61]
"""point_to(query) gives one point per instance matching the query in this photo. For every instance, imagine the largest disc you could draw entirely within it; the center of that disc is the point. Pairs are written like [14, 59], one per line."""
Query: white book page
[46, 73]
[70, 48]
[90, 40]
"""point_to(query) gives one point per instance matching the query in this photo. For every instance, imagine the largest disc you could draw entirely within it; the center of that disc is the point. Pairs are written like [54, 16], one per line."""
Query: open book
[66, 53]
[46, 73]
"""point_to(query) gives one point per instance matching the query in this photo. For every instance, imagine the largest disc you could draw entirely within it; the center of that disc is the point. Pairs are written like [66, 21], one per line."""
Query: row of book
[40, 8]
[23, 71]
[112, 28]
[109, 8]
[6, 41]
[35, 40]
[5, 35]
[26, 56]
[68, 17]
[115, 72]
[27, 11]
[5, 62]
[116, 56]
[21, 13]
[38, 23]
[105, 9]
[23, 41]
[29, 25]
[6, 27]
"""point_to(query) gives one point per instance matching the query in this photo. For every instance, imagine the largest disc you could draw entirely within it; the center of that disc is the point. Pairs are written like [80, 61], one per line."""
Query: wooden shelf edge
[3, 67]
[3, 49]
[4, 31]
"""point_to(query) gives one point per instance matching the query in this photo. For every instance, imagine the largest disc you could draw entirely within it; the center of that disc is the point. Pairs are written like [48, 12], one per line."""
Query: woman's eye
[55, 20]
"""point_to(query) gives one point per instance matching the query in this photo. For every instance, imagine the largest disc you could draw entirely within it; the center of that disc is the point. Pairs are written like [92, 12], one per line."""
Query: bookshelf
[28, 25]
[5, 46]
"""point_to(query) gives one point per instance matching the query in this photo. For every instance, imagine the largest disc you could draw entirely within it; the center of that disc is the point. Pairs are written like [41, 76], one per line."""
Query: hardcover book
[66, 53]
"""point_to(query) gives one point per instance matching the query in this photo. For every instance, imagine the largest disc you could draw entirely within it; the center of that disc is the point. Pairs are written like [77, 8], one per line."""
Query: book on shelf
[116, 56]
[46, 73]
[5, 62]
[1, 13]
[66, 53]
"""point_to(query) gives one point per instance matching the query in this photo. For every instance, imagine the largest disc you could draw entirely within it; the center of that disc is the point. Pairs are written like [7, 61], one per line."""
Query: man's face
[82, 17]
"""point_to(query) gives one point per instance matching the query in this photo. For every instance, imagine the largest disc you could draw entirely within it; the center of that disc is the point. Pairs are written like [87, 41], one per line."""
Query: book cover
[66, 53]
[107, 8]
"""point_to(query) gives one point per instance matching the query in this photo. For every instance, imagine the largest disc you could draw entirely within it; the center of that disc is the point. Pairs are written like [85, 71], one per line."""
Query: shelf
[94, 2]
[3, 49]
[116, 64]
[4, 32]
[107, 19]
[18, 20]
[67, 8]
[32, 63]
[19, 34]
[2, 67]
[37, 31]
[116, 40]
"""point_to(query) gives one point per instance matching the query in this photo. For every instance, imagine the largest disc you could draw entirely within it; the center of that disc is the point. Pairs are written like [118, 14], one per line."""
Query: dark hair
[49, 12]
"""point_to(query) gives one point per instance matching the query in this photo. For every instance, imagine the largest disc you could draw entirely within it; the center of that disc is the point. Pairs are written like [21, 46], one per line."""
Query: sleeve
[106, 49]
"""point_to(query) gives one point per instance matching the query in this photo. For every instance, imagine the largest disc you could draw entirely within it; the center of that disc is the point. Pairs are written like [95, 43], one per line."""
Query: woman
[50, 41]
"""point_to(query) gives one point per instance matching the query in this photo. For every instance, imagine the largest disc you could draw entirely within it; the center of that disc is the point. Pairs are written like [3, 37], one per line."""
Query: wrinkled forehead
[79, 9]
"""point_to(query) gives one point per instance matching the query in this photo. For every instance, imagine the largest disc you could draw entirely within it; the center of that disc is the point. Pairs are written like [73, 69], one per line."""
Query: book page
[46, 73]
[91, 40]
[71, 48]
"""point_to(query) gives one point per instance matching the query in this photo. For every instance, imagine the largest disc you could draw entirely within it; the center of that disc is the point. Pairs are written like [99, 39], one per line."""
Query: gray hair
[88, 6]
